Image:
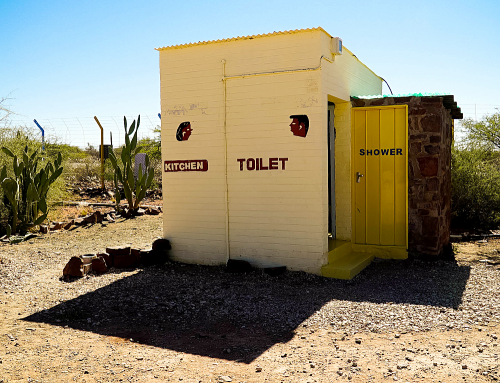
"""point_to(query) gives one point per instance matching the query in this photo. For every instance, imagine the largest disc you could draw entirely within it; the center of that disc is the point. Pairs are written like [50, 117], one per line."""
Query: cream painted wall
[343, 78]
[275, 217]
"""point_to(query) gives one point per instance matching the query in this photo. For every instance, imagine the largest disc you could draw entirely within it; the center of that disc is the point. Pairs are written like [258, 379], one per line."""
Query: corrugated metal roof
[243, 38]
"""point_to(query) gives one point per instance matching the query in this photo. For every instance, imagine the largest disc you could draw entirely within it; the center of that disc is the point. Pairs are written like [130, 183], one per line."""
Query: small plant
[26, 191]
[130, 185]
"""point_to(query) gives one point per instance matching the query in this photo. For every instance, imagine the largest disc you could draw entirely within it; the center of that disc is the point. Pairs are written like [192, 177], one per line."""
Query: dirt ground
[408, 321]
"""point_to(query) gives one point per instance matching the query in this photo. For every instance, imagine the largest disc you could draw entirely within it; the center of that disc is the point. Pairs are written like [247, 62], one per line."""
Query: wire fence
[478, 111]
[83, 132]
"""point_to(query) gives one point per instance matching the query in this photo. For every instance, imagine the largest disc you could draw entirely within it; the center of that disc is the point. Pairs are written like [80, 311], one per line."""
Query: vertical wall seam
[226, 191]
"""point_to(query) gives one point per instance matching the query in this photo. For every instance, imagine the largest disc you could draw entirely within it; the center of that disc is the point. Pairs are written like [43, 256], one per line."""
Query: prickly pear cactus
[26, 191]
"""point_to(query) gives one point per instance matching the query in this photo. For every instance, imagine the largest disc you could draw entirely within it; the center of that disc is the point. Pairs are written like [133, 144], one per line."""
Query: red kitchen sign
[186, 166]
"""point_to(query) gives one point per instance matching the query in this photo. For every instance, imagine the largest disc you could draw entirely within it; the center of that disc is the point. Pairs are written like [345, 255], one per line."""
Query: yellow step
[348, 266]
[338, 249]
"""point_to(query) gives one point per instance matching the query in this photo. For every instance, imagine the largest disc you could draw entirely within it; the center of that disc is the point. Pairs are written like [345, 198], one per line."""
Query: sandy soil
[409, 321]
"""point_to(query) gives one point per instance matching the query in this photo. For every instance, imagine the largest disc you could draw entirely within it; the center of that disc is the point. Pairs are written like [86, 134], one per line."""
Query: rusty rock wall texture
[429, 171]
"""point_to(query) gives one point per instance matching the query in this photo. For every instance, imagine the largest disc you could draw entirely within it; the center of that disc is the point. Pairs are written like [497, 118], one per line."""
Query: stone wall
[429, 171]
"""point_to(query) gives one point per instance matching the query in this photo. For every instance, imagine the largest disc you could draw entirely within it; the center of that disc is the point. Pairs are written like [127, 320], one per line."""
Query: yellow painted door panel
[380, 175]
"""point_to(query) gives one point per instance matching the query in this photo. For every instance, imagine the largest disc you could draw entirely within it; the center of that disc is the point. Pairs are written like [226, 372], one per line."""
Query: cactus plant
[130, 185]
[26, 191]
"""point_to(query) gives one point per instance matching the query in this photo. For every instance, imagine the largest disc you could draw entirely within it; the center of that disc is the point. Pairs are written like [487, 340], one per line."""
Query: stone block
[415, 147]
[67, 225]
[137, 254]
[108, 258]
[435, 139]
[152, 257]
[431, 123]
[428, 166]
[153, 211]
[55, 226]
[432, 184]
[432, 149]
[124, 261]
[430, 227]
[238, 266]
[162, 244]
[98, 217]
[74, 268]
[113, 251]
[99, 265]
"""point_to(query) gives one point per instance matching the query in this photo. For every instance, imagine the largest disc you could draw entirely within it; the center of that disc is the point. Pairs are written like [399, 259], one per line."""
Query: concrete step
[338, 249]
[348, 266]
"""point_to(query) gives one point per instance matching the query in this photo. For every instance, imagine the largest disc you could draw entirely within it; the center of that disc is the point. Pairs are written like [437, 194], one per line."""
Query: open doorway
[331, 172]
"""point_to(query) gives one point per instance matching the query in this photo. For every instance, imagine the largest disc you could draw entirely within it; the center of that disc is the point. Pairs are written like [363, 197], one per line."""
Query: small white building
[256, 141]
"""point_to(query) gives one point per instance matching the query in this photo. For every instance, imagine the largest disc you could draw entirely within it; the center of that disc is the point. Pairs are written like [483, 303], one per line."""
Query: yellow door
[380, 175]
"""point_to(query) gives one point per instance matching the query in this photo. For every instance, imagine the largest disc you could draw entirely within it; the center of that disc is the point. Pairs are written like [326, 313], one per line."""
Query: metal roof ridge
[250, 37]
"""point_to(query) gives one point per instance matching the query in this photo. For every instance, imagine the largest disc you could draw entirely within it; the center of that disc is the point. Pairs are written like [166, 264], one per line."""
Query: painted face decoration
[184, 131]
[299, 125]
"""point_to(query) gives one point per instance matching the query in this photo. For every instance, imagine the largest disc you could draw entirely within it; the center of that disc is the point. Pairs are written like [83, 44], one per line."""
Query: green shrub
[475, 179]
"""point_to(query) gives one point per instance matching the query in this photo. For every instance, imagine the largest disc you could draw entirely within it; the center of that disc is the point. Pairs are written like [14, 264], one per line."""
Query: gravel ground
[399, 320]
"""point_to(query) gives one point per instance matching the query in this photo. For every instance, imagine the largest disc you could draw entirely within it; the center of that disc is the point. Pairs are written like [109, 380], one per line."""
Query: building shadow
[206, 311]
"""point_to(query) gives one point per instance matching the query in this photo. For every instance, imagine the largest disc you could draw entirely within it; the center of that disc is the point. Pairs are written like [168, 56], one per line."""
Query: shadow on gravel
[206, 311]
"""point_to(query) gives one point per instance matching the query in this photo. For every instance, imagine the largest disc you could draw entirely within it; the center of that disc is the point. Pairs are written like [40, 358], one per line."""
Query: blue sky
[68, 59]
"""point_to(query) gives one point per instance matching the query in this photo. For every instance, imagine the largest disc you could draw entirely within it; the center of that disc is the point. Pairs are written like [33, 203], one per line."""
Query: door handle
[358, 177]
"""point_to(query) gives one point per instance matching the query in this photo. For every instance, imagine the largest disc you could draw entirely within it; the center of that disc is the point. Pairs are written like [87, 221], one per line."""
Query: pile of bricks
[118, 257]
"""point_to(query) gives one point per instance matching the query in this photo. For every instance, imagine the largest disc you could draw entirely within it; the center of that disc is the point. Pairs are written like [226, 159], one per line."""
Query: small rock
[358, 341]
[140, 212]
[124, 261]
[258, 369]
[153, 211]
[67, 225]
[118, 250]
[464, 367]
[107, 258]
[238, 266]
[74, 267]
[152, 257]
[226, 379]
[99, 265]
[275, 271]
[55, 226]
[161, 244]
[44, 229]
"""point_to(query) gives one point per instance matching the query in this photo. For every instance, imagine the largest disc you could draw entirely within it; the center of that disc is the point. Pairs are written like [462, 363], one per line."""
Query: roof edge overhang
[448, 101]
[250, 37]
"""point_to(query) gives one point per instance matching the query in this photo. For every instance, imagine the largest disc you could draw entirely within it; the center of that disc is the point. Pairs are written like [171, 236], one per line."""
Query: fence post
[102, 152]
[43, 135]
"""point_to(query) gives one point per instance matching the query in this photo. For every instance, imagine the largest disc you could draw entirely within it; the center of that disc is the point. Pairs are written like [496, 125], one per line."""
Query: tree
[483, 132]
[475, 175]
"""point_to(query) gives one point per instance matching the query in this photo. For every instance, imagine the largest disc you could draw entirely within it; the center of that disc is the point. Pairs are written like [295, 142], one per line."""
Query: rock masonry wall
[430, 134]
